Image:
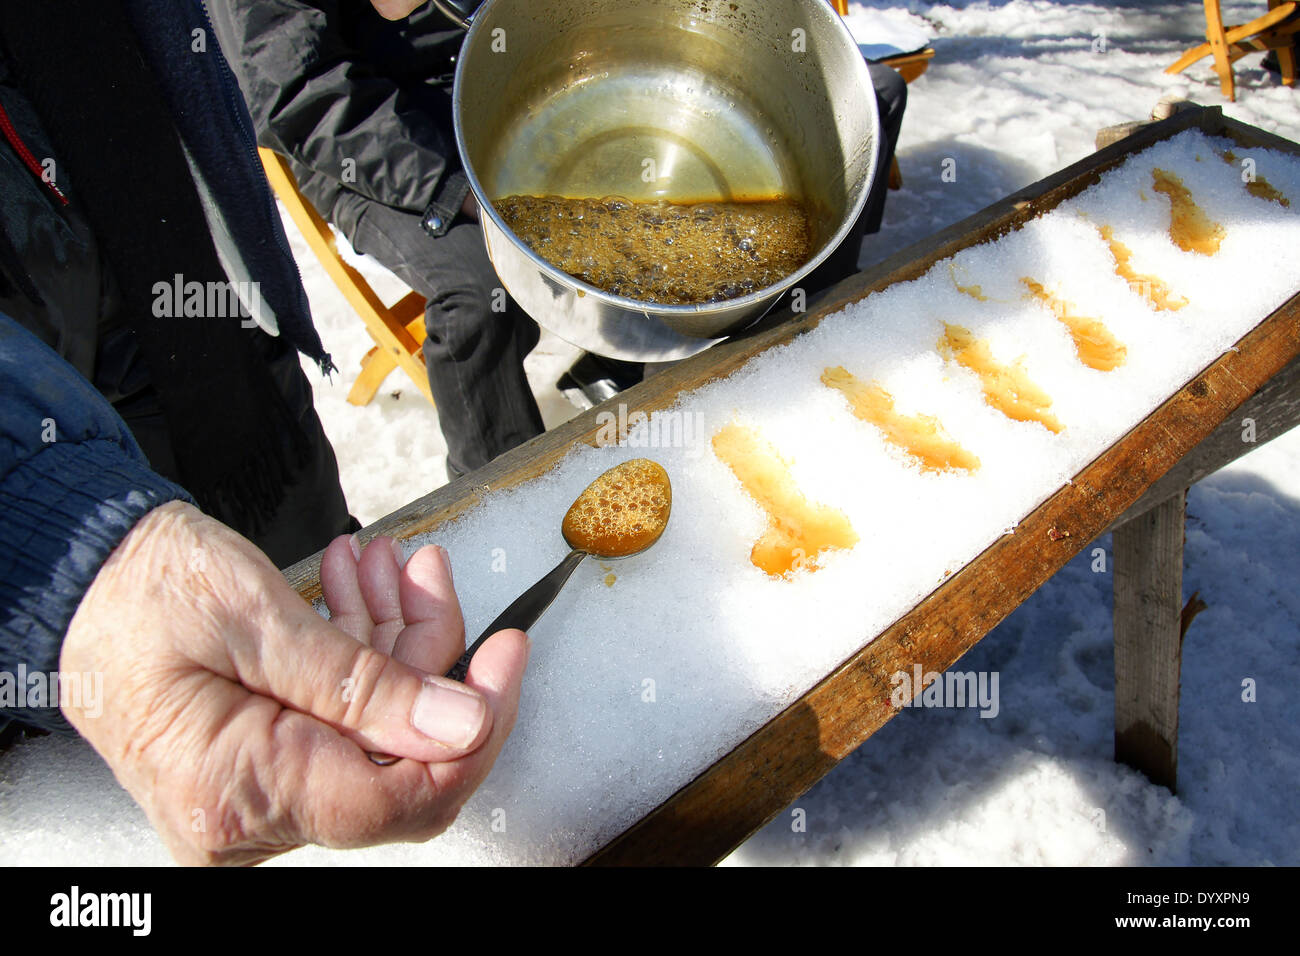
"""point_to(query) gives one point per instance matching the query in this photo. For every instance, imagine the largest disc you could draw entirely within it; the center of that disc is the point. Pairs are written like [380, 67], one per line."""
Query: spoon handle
[525, 610]
[523, 614]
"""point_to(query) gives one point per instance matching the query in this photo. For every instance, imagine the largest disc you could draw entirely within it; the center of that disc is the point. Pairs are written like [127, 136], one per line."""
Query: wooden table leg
[1148, 639]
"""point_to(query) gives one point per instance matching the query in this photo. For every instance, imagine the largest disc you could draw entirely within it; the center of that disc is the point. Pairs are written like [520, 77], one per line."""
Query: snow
[1017, 91]
[887, 32]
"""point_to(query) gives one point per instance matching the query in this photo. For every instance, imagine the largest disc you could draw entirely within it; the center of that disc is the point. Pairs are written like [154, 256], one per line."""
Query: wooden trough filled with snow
[864, 490]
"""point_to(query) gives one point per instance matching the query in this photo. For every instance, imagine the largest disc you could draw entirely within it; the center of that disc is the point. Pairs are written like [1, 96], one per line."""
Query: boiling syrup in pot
[663, 252]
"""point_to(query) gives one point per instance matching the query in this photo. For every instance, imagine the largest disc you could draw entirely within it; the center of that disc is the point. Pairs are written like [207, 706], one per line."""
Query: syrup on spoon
[622, 513]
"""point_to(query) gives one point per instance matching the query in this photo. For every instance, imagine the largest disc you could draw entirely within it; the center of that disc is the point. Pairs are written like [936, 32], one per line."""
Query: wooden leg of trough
[1148, 639]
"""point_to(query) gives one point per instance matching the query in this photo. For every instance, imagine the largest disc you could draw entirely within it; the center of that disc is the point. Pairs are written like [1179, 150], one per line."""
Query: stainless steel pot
[684, 100]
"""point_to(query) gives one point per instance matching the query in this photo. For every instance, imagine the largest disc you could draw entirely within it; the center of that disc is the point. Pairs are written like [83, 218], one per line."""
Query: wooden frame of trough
[745, 789]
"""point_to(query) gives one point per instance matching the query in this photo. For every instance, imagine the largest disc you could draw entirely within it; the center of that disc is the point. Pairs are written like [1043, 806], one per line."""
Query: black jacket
[360, 105]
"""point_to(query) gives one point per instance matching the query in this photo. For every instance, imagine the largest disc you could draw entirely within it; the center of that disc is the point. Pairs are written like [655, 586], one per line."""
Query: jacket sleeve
[73, 482]
[316, 100]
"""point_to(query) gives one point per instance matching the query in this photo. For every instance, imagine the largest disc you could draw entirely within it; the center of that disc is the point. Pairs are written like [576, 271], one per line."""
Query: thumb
[384, 705]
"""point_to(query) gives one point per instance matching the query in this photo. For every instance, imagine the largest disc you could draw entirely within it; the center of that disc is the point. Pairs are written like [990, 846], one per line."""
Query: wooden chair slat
[397, 344]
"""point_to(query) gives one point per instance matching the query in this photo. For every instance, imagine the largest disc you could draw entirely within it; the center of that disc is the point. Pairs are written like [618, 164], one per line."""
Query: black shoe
[593, 379]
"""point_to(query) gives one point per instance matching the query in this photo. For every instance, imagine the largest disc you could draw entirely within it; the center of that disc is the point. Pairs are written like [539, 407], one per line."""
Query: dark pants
[474, 355]
[891, 101]
[313, 511]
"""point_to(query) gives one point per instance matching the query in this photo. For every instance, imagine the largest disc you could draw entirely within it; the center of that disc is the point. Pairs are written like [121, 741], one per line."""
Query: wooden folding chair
[397, 330]
[1275, 30]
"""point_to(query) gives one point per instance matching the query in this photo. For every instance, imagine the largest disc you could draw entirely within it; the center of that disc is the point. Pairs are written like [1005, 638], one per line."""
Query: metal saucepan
[681, 100]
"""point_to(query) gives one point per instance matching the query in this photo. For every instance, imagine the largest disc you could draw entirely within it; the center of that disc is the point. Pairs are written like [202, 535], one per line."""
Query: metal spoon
[622, 513]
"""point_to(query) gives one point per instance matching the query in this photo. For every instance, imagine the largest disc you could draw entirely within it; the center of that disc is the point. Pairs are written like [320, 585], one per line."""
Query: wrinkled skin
[240, 720]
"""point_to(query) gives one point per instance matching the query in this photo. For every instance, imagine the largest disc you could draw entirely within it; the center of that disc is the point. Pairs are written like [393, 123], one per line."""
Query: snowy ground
[1018, 90]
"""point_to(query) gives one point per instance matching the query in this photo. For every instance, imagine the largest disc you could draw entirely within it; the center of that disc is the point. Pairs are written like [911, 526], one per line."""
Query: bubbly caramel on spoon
[622, 512]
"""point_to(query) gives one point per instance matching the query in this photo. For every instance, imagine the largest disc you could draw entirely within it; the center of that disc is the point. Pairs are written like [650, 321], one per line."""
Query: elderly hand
[240, 720]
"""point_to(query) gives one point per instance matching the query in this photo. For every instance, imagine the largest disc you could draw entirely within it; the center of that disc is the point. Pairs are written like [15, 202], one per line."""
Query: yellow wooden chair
[397, 330]
[1275, 30]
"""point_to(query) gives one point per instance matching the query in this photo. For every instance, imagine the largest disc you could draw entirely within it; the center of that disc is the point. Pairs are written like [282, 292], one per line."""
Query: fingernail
[446, 562]
[451, 717]
[398, 553]
[356, 547]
